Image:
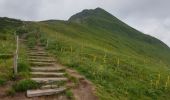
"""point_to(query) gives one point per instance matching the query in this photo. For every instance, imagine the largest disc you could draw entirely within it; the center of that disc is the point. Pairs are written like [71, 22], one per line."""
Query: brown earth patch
[85, 89]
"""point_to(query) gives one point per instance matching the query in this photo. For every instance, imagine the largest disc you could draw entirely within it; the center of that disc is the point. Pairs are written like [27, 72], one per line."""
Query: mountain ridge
[85, 14]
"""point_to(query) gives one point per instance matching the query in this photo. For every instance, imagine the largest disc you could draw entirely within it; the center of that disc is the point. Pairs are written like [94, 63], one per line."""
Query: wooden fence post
[94, 58]
[16, 56]
[61, 49]
[47, 44]
[104, 58]
[71, 49]
[118, 62]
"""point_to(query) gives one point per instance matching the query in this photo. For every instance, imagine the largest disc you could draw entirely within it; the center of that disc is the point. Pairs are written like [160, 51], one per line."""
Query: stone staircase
[45, 71]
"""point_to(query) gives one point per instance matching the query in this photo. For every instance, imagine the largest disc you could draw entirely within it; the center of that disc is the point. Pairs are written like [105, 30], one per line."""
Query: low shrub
[23, 67]
[3, 36]
[6, 56]
[25, 84]
[154, 93]
[69, 94]
[2, 81]
[31, 42]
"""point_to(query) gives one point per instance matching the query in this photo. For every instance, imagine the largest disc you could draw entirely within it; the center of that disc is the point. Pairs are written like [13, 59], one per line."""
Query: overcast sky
[149, 16]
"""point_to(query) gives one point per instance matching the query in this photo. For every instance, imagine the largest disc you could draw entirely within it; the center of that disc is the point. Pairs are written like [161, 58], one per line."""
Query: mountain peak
[99, 9]
[88, 13]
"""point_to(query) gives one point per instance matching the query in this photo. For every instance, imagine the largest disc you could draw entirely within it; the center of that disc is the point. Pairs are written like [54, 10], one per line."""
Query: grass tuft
[70, 95]
[25, 84]
[10, 92]
[2, 81]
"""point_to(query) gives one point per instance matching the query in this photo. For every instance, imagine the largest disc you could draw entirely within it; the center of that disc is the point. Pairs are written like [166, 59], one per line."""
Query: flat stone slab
[41, 64]
[47, 74]
[49, 87]
[46, 69]
[40, 57]
[48, 80]
[37, 54]
[44, 92]
[36, 49]
[41, 60]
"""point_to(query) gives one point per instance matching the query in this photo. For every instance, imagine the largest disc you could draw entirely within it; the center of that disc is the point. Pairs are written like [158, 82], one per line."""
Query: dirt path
[85, 89]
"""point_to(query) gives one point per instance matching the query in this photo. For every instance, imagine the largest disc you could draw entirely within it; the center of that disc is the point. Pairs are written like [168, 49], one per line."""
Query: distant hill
[9, 24]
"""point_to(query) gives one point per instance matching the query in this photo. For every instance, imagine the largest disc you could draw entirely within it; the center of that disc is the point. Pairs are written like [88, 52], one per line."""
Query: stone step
[32, 50]
[41, 64]
[47, 69]
[47, 74]
[40, 57]
[48, 80]
[36, 51]
[49, 86]
[36, 54]
[41, 60]
[35, 48]
[44, 92]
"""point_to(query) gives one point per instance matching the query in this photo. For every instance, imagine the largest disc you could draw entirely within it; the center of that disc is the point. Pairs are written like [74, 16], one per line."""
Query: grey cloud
[147, 8]
[23, 9]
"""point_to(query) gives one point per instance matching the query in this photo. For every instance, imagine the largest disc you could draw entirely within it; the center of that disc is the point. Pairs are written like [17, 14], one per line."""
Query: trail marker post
[71, 49]
[94, 58]
[118, 62]
[16, 56]
[47, 43]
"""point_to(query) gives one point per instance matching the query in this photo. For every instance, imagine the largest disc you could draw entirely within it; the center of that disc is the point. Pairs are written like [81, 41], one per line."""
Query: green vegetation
[23, 68]
[7, 41]
[8, 29]
[122, 62]
[2, 81]
[23, 63]
[69, 94]
[24, 85]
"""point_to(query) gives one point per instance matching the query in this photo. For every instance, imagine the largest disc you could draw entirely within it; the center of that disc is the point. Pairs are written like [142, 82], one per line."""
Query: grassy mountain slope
[7, 28]
[101, 20]
[122, 62]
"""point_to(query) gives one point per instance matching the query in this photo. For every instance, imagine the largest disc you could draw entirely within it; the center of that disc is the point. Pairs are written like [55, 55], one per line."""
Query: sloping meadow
[117, 71]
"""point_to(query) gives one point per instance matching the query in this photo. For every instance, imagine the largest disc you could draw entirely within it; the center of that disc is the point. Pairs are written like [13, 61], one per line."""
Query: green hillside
[7, 47]
[104, 22]
[122, 63]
